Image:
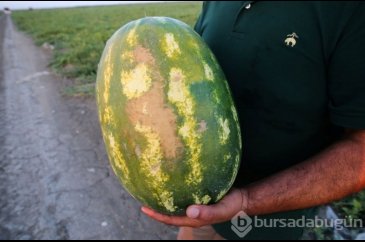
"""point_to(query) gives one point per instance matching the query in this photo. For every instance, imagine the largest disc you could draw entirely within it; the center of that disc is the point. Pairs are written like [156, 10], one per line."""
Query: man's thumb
[193, 212]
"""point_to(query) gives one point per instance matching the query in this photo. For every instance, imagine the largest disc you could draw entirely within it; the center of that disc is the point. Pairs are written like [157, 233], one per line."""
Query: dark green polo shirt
[297, 75]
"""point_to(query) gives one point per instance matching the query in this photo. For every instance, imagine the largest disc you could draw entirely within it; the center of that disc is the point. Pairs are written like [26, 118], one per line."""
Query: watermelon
[168, 120]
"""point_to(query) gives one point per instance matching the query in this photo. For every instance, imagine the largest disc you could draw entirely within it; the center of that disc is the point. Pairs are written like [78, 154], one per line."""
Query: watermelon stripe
[233, 177]
[131, 36]
[235, 117]
[170, 46]
[179, 95]
[151, 166]
[117, 157]
[107, 116]
[224, 130]
[208, 72]
[107, 73]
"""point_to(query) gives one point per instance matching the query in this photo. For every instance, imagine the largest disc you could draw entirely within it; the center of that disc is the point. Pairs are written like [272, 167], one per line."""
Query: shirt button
[248, 6]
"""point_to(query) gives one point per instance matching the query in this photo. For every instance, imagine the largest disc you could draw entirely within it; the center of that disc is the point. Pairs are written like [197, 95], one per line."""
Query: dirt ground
[55, 179]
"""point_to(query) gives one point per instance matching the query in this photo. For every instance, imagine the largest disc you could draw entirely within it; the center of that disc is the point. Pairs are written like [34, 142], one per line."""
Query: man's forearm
[331, 175]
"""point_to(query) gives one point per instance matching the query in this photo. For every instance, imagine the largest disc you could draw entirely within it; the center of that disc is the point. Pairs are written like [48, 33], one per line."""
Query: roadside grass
[77, 36]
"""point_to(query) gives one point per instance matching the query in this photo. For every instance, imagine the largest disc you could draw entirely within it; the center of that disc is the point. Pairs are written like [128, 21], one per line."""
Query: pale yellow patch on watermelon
[192, 139]
[201, 200]
[170, 45]
[224, 130]
[208, 72]
[215, 62]
[235, 117]
[206, 199]
[127, 56]
[107, 73]
[238, 161]
[136, 82]
[227, 86]
[227, 157]
[150, 164]
[167, 201]
[132, 37]
[148, 110]
[234, 112]
[176, 92]
[179, 95]
[215, 97]
[152, 156]
[107, 116]
[221, 194]
[184, 130]
[117, 156]
[195, 45]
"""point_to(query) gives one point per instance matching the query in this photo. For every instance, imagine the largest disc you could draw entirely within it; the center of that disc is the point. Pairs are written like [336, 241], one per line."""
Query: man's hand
[200, 215]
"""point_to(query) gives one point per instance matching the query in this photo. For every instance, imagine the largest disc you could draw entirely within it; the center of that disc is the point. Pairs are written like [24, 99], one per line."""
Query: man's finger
[209, 213]
[193, 212]
[172, 220]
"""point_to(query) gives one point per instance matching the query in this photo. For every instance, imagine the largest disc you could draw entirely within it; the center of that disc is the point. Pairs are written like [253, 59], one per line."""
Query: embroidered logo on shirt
[291, 40]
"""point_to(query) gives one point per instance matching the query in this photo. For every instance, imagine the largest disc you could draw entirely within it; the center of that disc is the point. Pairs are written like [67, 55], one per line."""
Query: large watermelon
[167, 117]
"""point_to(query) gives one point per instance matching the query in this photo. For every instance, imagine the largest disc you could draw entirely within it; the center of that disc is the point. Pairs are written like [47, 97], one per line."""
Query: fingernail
[193, 212]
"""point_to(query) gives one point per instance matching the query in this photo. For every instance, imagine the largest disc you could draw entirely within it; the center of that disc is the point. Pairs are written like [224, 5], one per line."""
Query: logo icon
[291, 40]
[241, 224]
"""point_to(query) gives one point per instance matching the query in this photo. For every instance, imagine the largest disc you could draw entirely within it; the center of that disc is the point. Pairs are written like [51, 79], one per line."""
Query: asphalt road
[55, 179]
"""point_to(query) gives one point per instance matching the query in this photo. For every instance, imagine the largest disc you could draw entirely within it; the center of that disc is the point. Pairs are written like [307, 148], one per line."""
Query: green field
[79, 34]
